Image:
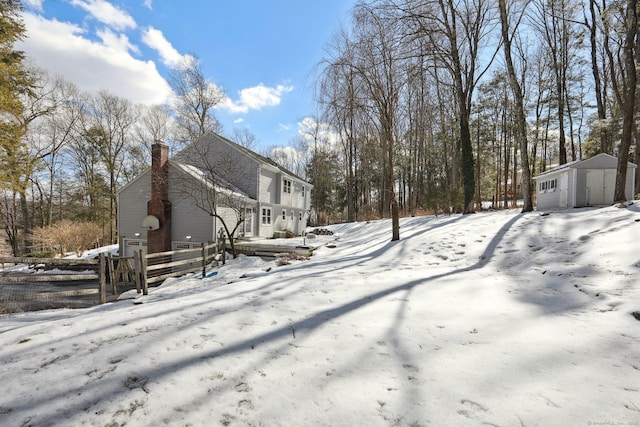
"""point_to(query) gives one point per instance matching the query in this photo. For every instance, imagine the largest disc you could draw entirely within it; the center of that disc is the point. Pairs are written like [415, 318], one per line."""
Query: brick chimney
[159, 206]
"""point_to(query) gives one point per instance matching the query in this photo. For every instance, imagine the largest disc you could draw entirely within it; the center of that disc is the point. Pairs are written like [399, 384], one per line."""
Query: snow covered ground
[496, 318]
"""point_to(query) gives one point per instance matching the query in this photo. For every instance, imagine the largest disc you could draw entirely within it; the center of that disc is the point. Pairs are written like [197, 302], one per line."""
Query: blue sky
[260, 52]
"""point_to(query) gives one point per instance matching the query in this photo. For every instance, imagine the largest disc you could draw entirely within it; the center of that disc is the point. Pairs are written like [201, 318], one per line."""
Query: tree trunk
[628, 108]
[605, 146]
[521, 123]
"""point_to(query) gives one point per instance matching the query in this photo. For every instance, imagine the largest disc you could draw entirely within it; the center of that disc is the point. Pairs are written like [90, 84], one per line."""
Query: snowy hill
[495, 318]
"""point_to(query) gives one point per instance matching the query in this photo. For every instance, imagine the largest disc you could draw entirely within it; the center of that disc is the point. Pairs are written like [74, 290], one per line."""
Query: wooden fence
[40, 286]
[156, 267]
[84, 278]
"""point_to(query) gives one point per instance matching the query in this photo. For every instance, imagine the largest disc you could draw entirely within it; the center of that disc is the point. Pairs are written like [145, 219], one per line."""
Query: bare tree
[196, 99]
[38, 103]
[339, 90]
[245, 138]
[518, 93]
[293, 159]
[627, 91]
[56, 132]
[107, 129]
[10, 220]
[153, 125]
[457, 31]
[205, 175]
[377, 65]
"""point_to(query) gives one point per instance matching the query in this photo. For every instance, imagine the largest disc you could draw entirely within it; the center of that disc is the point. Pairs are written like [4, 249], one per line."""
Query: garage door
[600, 186]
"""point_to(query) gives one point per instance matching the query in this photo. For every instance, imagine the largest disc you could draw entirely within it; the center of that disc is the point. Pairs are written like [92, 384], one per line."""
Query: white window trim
[286, 185]
[266, 216]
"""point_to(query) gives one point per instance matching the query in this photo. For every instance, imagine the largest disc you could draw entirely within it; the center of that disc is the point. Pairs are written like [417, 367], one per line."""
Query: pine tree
[15, 82]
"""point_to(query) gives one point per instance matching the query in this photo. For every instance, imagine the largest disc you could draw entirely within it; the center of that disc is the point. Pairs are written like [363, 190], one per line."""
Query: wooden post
[103, 279]
[137, 270]
[143, 271]
[204, 260]
[112, 274]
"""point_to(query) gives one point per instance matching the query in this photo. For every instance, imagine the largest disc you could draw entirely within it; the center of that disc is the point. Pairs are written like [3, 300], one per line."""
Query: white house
[165, 208]
[589, 182]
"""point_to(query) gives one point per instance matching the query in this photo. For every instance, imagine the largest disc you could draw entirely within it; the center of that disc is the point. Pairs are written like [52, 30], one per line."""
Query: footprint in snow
[242, 387]
[472, 410]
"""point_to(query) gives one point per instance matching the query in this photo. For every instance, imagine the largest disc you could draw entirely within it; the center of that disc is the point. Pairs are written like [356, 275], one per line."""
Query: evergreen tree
[15, 82]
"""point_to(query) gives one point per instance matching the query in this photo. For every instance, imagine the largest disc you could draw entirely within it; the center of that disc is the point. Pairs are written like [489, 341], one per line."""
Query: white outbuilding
[589, 182]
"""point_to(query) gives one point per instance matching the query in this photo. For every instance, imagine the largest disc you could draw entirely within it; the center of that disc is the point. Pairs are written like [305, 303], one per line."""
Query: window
[266, 216]
[549, 185]
[284, 214]
[300, 214]
[286, 186]
[291, 215]
[303, 191]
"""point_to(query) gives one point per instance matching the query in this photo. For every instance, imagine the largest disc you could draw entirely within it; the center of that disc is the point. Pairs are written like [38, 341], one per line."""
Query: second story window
[303, 191]
[286, 186]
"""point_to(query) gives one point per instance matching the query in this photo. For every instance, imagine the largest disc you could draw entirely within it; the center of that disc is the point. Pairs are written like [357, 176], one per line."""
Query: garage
[589, 182]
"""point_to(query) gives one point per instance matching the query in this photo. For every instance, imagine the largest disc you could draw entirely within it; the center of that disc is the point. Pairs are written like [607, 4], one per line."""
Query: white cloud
[107, 13]
[310, 129]
[238, 121]
[256, 98]
[63, 49]
[119, 42]
[170, 56]
[34, 4]
[148, 4]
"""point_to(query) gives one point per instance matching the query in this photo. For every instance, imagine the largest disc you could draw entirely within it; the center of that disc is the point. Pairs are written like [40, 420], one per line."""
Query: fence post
[204, 260]
[112, 274]
[103, 279]
[143, 271]
[137, 270]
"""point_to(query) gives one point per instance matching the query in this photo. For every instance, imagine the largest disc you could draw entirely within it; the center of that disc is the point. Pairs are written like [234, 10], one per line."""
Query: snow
[495, 318]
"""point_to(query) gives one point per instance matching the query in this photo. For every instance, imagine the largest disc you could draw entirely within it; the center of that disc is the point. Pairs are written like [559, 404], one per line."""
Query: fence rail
[43, 290]
[150, 268]
[47, 290]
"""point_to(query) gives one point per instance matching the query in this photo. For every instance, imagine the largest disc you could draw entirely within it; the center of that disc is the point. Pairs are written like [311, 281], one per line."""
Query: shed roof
[585, 164]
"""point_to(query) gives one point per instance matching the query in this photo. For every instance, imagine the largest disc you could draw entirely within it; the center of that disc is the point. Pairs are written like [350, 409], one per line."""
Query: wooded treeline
[433, 111]
[65, 153]
[424, 108]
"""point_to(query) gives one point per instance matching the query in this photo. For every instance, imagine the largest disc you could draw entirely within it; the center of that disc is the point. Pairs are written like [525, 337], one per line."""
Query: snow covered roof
[599, 159]
[245, 151]
[209, 179]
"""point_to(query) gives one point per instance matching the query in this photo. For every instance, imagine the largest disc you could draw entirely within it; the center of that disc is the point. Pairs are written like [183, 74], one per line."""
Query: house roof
[201, 175]
[583, 164]
[249, 153]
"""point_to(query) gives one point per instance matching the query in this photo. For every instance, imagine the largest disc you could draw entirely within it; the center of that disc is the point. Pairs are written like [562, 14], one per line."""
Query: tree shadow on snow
[280, 336]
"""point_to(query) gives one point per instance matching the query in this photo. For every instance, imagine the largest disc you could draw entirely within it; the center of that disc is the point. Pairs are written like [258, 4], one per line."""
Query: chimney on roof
[159, 206]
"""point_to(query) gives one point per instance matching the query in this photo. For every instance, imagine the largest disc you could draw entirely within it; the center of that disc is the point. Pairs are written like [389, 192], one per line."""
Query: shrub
[68, 235]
